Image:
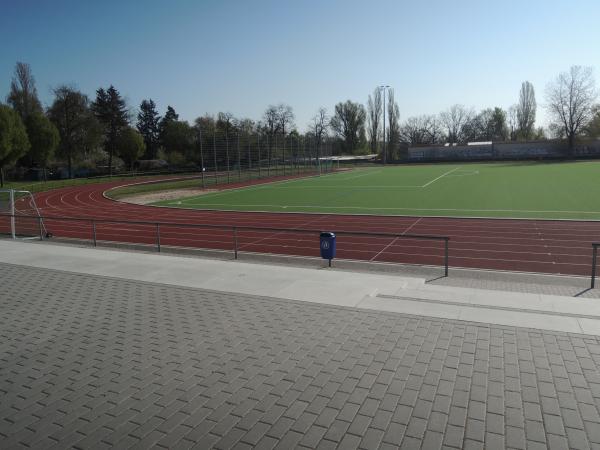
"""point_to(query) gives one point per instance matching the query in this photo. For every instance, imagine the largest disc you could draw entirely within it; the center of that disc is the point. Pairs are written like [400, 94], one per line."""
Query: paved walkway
[381, 292]
[95, 361]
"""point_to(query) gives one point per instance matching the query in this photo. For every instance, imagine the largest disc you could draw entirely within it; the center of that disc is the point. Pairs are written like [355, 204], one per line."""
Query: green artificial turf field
[560, 190]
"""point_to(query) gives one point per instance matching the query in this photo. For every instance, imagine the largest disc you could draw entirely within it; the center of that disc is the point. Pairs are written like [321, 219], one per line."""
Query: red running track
[547, 246]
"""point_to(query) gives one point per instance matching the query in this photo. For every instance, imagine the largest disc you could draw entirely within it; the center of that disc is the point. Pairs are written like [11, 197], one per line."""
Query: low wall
[504, 150]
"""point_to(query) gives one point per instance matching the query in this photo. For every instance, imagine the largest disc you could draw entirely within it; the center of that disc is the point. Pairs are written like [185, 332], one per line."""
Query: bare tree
[23, 93]
[526, 111]
[571, 99]
[393, 131]
[285, 116]
[454, 121]
[374, 112]
[317, 129]
[348, 122]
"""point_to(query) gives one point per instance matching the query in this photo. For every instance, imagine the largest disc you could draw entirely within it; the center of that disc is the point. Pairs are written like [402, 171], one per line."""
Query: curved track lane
[557, 247]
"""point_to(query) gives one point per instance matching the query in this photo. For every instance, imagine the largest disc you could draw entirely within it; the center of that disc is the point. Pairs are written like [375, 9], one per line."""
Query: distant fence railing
[354, 245]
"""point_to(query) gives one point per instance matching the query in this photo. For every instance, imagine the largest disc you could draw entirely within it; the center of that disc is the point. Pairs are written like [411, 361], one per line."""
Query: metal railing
[595, 246]
[234, 229]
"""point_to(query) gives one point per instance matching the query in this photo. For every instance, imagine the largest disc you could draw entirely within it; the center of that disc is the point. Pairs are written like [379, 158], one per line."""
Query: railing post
[41, 229]
[446, 257]
[158, 237]
[235, 243]
[94, 233]
[594, 254]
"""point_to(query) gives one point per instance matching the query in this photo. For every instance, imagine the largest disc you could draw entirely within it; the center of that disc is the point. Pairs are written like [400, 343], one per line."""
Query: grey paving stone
[100, 362]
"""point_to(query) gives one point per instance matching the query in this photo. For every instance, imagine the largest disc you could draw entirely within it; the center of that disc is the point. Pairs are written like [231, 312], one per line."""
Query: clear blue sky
[240, 56]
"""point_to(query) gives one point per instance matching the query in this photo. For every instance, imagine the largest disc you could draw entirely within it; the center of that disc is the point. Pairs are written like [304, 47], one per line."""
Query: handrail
[234, 229]
[595, 246]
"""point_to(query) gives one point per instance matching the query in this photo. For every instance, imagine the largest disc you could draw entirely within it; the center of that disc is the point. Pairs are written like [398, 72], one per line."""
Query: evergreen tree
[111, 111]
[170, 117]
[148, 124]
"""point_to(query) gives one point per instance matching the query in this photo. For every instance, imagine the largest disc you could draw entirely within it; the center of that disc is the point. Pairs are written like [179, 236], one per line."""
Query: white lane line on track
[410, 228]
[404, 209]
[441, 176]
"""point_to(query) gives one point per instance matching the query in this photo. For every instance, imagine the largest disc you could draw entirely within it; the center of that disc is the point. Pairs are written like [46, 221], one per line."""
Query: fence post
[158, 237]
[446, 257]
[94, 233]
[41, 228]
[235, 243]
[594, 254]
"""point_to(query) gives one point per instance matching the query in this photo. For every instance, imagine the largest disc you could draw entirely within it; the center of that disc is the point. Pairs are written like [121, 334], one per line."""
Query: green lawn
[569, 190]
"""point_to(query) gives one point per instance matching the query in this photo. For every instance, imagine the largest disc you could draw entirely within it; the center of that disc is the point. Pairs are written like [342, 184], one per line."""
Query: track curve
[547, 246]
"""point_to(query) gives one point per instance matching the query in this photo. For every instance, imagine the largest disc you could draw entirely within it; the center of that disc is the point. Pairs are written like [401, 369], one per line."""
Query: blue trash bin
[327, 245]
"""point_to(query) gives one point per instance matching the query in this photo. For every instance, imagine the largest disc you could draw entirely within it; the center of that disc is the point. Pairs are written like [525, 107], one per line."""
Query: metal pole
[11, 198]
[258, 144]
[446, 257]
[201, 152]
[594, 254]
[384, 153]
[227, 153]
[239, 159]
[94, 240]
[235, 243]
[215, 153]
[41, 229]
[248, 143]
[158, 237]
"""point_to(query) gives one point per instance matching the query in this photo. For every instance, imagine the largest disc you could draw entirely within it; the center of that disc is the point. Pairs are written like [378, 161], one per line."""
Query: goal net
[20, 217]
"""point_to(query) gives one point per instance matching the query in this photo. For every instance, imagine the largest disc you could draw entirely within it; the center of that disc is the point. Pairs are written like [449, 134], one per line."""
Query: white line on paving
[441, 176]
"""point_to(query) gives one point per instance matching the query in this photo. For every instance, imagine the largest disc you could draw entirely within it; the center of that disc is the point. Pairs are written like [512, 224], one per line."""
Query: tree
[526, 111]
[111, 111]
[570, 101]
[393, 130]
[43, 137]
[454, 121]
[148, 124]
[285, 115]
[23, 93]
[488, 125]
[374, 113]
[348, 122]
[318, 129]
[593, 127]
[131, 145]
[13, 139]
[421, 130]
[77, 126]
[178, 140]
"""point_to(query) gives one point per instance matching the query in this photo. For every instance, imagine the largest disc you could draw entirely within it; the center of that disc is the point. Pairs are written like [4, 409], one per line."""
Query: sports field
[547, 190]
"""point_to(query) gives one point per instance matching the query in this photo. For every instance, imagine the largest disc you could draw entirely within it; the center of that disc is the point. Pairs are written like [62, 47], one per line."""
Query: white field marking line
[441, 176]
[252, 187]
[409, 209]
[362, 175]
[397, 237]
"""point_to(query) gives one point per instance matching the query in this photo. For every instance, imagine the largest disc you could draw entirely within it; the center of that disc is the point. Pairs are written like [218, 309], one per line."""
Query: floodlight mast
[383, 88]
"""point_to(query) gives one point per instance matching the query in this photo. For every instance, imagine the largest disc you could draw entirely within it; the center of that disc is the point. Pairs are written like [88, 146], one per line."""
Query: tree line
[83, 132]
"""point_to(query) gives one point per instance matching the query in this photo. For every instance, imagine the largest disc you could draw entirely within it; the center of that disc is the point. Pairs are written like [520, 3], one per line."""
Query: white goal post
[20, 217]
